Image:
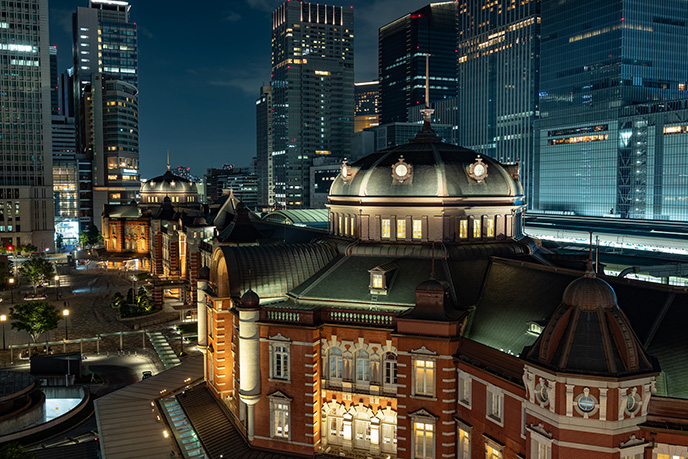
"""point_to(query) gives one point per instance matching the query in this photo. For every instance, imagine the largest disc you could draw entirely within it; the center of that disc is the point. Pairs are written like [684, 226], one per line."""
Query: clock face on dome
[478, 170]
[401, 172]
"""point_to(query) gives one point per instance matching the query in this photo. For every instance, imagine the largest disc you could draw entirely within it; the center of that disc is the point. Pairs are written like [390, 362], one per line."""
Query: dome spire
[427, 111]
[168, 159]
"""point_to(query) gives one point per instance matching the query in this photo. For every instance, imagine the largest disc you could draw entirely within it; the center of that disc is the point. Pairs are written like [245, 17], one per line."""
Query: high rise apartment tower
[312, 93]
[26, 194]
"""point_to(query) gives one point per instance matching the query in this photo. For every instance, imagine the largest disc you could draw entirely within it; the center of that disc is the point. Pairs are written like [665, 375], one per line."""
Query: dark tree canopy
[36, 270]
[90, 237]
[34, 317]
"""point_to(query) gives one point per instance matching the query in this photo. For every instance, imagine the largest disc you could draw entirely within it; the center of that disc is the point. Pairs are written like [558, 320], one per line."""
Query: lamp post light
[3, 319]
[11, 281]
[57, 287]
[65, 314]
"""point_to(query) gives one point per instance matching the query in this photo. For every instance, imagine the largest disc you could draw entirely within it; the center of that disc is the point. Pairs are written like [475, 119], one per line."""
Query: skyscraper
[498, 55]
[26, 195]
[106, 105]
[403, 45]
[604, 69]
[266, 184]
[312, 93]
[366, 105]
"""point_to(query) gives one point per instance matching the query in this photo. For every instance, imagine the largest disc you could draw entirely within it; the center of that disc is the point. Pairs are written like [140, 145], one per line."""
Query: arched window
[362, 367]
[361, 427]
[336, 363]
[335, 427]
[142, 244]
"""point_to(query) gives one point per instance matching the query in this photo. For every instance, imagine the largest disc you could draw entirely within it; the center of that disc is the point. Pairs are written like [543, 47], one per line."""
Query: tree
[91, 237]
[59, 242]
[15, 451]
[35, 317]
[36, 270]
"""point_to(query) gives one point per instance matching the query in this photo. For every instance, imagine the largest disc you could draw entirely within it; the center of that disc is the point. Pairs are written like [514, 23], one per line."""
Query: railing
[282, 316]
[361, 318]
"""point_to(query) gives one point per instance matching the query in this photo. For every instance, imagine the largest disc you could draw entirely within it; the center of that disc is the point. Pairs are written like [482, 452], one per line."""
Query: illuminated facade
[65, 179]
[609, 66]
[105, 85]
[426, 325]
[499, 60]
[26, 177]
[312, 93]
[264, 160]
[366, 105]
[403, 45]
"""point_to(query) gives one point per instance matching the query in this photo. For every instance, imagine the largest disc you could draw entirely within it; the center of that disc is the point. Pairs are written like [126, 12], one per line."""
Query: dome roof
[250, 299]
[168, 183]
[590, 293]
[200, 221]
[589, 334]
[430, 168]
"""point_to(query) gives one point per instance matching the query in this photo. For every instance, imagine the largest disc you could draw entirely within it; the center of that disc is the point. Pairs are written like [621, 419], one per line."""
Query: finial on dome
[427, 111]
[168, 159]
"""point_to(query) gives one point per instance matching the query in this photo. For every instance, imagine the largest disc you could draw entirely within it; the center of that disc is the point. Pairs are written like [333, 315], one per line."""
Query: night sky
[200, 69]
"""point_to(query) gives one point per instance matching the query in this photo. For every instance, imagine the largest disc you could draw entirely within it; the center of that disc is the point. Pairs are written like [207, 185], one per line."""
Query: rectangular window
[490, 227]
[464, 389]
[495, 400]
[340, 228]
[476, 229]
[424, 372]
[280, 421]
[386, 228]
[463, 229]
[377, 280]
[492, 452]
[390, 369]
[352, 222]
[346, 225]
[424, 434]
[417, 229]
[280, 361]
[464, 443]
[401, 229]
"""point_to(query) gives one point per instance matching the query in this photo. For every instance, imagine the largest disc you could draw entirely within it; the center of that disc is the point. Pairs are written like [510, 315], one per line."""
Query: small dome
[199, 221]
[590, 293]
[250, 299]
[204, 273]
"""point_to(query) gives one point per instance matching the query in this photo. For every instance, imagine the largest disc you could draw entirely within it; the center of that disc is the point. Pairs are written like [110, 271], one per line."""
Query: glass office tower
[312, 93]
[26, 182]
[403, 45]
[606, 145]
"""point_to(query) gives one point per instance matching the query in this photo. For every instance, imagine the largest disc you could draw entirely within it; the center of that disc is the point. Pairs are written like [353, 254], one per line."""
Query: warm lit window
[377, 280]
[401, 229]
[476, 229]
[424, 374]
[341, 229]
[386, 228]
[424, 436]
[464, 441]
[490, 227]
[352, 221]
[463, 229]
[417, 229]
[346, 225]
[493, 450]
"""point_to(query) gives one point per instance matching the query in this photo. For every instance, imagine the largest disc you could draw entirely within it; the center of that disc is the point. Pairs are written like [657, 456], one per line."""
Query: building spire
[168, 159]
[427, 111]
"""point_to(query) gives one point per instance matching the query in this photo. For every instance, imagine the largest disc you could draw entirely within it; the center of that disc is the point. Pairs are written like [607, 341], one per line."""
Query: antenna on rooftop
[427, 111]
[168, 159]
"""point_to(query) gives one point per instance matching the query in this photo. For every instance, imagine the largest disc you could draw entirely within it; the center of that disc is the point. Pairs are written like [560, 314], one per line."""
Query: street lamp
[11, 281]
[57, 287]
[65, 314]
[3, 319]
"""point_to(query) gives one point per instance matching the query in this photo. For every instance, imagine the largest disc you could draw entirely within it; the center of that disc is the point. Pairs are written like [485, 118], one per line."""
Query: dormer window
[535, 328]
[381, 278]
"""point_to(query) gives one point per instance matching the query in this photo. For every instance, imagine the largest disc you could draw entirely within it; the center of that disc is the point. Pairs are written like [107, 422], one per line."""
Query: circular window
[633, 403]
[542, 394]
[586, 403]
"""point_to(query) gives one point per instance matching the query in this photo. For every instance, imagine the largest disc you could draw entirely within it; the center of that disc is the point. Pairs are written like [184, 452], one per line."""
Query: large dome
[434, 169]
[178, 189]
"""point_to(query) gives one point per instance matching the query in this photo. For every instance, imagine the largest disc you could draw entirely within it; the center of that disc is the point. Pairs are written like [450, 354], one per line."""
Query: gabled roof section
[121, 211]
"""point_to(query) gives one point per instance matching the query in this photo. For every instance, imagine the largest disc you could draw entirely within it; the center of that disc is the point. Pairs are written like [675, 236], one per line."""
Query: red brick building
[427, 325]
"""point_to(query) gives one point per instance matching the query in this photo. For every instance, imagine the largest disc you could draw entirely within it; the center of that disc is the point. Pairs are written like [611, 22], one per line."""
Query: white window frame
[465, 383]
[417, 229]
[540, 446]
[280, 352]
[429, 365]
[494, 404]
[362, 376]
[493, 450]
[426, 423]
[463, 432]
[386, 224]
[401, 228]
[280, 418]
[332, 374]
[390, 370]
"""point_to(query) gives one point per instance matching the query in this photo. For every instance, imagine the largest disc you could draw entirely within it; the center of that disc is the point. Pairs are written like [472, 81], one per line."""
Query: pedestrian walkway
[168, 357]
[181, 429]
